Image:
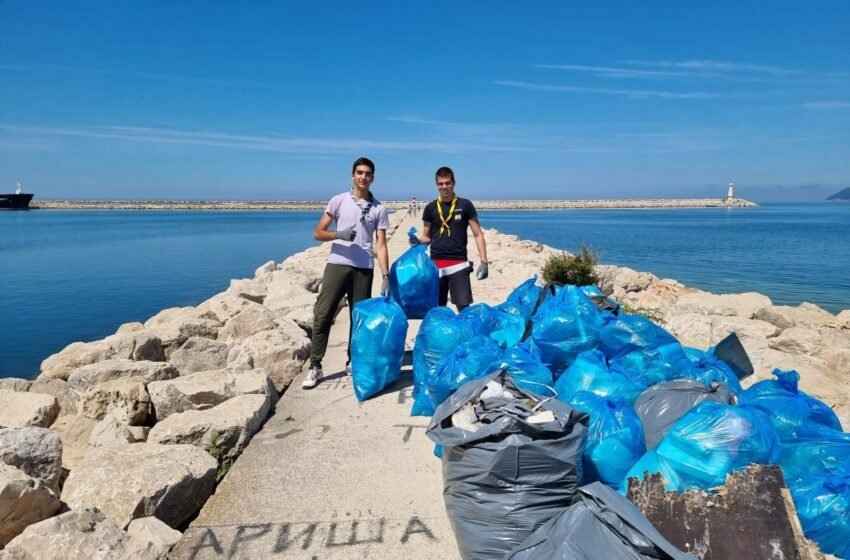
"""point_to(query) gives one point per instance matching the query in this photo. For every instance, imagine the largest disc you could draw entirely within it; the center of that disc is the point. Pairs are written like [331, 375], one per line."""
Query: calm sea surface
[77, 275]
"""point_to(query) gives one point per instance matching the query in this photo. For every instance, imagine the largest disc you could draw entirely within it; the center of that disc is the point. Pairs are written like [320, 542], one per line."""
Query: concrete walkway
[330, 478]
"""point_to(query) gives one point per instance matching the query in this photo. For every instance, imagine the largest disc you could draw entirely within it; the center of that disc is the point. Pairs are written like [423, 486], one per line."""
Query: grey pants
[339, 280]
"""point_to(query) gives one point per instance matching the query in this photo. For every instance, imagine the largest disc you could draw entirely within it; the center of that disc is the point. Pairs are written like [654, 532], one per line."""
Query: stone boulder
[83, 378]
[619, 281]
[225, 306]
[206, 389]
[15, 384]
[37, 452]
[266, 269]
[230, 426]
[74, 431]
[23, 501]
[176, 325]
[170, 482]
[736, 305]
[160, 537]
[67, 398]
[138, 345]
[200, 354]
[126, 398]
[135, 326]
[288, 291]
[660, 295]
[280, 352]
[703, 331]
[804, 315]
[109, 432]
[796, 340]
[20, 410]
[83, 534]
[249, 321]
[252, 289]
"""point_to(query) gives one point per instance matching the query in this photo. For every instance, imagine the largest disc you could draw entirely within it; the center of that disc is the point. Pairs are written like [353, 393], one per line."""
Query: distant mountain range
[843, 196]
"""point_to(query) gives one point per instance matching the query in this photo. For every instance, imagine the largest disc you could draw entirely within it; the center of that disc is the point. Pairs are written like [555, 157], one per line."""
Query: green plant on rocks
[215, 451]
[576, 270]
[651, 313]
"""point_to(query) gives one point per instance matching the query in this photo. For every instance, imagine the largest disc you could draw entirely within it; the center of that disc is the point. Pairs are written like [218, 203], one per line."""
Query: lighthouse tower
[730, 193]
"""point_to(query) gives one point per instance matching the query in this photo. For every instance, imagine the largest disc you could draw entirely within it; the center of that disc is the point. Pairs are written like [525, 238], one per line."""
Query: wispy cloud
[611, 72]
[716, 65]
[637, 94]
[275, 143]
[827, 105]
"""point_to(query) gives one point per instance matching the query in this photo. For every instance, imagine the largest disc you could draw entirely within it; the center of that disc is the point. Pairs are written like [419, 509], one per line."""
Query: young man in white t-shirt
[360, 218]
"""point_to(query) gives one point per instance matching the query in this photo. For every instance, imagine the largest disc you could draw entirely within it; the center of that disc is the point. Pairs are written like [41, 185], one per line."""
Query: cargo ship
[17, 201]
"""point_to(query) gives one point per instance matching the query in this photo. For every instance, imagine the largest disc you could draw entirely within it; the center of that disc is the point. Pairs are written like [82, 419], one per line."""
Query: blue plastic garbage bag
[637, 344]
[377, 345]
[823, 506]
[503, 327]
[565, 326]
[711, 368]
[415, 282]
[714, 439]
[477, 357]
[788, 406]
[589, 372]
[440, 332]
[522, 300]
[614, 438]
[523, 364]
[814, 448]
[651, 463]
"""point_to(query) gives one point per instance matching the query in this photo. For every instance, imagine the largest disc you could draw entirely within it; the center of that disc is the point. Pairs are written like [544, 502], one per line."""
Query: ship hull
[15, 201]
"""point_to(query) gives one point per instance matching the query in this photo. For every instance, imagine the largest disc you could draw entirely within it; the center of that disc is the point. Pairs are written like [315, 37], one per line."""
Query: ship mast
[18, 190]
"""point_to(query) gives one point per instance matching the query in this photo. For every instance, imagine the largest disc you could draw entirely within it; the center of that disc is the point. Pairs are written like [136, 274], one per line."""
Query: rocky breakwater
[128, 436]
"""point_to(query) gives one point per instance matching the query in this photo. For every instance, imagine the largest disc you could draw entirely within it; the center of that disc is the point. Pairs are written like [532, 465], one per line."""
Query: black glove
[483, 270]
[347, 234]
[413, 241]
[385, 286]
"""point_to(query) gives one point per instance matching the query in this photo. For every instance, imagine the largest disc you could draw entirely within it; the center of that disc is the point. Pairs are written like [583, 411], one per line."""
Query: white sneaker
[348, 370]
[312, 378]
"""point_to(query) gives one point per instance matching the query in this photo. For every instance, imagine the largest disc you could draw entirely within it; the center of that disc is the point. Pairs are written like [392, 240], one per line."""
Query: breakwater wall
[143, 423]
[392, 205]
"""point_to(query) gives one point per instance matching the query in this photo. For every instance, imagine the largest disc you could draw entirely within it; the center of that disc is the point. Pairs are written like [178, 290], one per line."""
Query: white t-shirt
[347, 211]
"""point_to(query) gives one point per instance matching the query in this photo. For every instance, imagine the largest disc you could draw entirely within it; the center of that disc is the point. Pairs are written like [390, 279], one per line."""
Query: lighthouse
[730, 192]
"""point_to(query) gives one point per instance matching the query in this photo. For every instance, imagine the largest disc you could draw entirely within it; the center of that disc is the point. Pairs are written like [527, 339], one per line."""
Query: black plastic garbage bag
[602, 525]
[660, 406]
[511, 461]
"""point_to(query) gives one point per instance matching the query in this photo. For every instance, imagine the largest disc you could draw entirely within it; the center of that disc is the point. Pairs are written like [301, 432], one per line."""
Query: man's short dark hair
[445, 172]
[363, 161]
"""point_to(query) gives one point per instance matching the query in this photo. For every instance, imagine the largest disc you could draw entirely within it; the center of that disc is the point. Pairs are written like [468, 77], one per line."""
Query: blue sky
[262, 100]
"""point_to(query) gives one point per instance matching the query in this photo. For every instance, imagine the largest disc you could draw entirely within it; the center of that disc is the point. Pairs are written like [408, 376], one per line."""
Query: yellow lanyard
[445, 223]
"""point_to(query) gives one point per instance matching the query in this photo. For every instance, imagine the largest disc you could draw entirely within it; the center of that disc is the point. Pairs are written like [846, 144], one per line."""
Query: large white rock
[206, 389]
[266, 269]
[84, 377]
[200, 354]
[67, 398]
[796, 340]
[660, 295]
[15, 384]
[126, 398]
[37, 452]
[170, 482]
[225, 306]
[804, 315]
[23, 501]
[134, 326]
[619, 281]
[739, 305]
[247, 322]
[140, 345]
[19, 410]
[109, 432]
[252, 289]
[176, 325]
[74, 431]
[83, 534]
[280, 352]
[160, 537]
[231, 425]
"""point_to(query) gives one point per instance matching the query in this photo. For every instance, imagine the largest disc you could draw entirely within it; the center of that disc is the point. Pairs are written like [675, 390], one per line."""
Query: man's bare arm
[322, 232]
[479, 239]
[381, 251]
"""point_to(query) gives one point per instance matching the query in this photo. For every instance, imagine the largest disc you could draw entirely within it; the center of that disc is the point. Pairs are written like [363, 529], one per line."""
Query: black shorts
[460, 287]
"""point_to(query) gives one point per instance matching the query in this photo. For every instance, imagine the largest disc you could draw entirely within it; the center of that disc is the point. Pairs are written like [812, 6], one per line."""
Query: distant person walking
[359, 218]
[444, 225]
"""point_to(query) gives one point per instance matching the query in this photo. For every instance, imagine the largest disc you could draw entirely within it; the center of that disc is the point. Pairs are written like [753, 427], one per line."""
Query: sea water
[77, 275]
